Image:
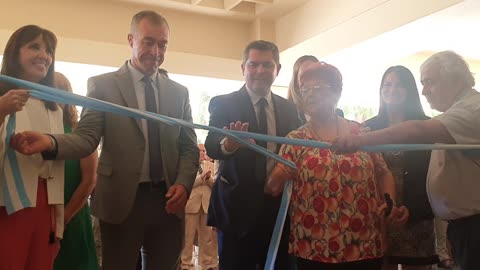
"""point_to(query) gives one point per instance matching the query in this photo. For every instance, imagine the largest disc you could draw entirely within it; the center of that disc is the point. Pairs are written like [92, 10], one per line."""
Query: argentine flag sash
[13, 189]
[19, 173]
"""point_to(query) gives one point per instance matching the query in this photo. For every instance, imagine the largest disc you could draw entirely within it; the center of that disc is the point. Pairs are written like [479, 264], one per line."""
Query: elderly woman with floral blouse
[337, 201]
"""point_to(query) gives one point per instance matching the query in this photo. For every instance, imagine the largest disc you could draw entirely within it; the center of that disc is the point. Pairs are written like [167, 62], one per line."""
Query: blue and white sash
[13, 188]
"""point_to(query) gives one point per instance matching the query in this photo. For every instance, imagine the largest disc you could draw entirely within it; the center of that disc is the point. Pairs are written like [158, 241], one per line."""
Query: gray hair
[451, 65]
[149, 15]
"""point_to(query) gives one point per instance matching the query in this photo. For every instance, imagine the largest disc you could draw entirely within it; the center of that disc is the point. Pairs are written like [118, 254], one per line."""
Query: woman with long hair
[31, 187]
[294, 87]
[411, 245]
[77, 250]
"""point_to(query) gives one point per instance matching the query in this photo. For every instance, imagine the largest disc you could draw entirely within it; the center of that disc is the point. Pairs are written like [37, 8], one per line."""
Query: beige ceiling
[208, 36]
[234, 9]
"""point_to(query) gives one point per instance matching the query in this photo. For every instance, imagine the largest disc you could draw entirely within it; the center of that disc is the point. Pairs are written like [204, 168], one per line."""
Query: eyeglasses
[305, 90]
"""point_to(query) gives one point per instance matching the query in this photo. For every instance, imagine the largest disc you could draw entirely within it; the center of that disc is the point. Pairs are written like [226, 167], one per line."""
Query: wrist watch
[54, 142]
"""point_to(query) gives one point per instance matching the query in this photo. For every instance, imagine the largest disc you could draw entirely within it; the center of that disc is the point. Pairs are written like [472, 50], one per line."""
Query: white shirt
[271, 123]
[139, 85]
[453, 180]
[34, 116]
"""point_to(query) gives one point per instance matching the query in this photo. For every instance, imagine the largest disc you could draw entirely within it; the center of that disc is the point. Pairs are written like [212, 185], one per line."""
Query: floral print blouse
[334, 202]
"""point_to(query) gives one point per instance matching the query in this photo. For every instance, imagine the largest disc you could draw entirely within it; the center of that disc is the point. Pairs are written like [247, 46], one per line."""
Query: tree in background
[358, 113]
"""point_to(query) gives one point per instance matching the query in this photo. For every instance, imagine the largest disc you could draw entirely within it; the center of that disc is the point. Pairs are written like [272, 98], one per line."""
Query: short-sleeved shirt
[334, 202]
[453, 181]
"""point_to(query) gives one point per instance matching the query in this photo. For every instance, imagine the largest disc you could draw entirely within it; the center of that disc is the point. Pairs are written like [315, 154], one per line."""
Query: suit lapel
[127, 90]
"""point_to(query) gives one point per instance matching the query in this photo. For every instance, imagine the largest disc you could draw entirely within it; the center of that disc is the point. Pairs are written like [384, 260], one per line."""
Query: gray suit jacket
[123, 142]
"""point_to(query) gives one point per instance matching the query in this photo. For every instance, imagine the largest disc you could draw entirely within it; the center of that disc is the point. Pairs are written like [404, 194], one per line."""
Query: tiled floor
[434, 268]
[195, 258]
[197, 267]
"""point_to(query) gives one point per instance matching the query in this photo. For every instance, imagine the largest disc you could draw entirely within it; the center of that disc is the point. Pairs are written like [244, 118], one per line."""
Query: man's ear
[279, 66]
[130, 40]
[243, 68]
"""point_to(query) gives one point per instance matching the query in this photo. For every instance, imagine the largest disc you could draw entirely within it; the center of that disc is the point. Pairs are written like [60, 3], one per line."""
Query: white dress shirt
[139, 85]
[271, 124]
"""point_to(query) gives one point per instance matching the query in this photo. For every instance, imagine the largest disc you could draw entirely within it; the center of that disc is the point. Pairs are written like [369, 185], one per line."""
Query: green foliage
[358, 113]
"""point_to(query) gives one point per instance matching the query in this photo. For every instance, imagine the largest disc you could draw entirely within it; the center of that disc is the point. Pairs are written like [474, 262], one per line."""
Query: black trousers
[374, 264]
[248, 251]
[464, 236]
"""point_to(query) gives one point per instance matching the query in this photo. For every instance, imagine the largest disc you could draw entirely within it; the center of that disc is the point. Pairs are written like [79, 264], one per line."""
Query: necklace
[320, 138]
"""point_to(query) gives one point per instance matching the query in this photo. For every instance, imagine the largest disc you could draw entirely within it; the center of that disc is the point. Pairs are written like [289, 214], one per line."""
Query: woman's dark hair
[11, 64]
[412, 108]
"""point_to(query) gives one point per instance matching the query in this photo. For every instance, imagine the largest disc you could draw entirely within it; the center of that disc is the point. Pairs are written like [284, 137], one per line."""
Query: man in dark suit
[239, 208]
[146, 169]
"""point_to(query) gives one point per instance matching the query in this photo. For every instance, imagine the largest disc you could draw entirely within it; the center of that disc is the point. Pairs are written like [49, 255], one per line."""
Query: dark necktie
[262, 119]
[261, 160]
[156, 165]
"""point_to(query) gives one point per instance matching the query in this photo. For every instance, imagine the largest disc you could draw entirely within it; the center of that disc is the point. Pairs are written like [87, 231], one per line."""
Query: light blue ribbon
[15, 168]
[370, 148]
[56, 95]
[60, 96]
[51, 94]
[278, 228]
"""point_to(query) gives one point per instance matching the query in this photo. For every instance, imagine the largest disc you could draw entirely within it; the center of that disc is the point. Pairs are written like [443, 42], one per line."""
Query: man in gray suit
[146, 169]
